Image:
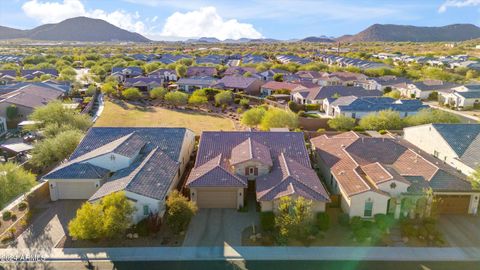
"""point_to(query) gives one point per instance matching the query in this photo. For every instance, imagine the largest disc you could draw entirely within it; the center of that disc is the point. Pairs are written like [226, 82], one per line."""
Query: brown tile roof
[274, 85]
[291, 169]
[361, 163]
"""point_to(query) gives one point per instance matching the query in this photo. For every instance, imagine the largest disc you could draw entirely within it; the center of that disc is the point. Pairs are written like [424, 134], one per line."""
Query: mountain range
[95, 30]
[75, 29]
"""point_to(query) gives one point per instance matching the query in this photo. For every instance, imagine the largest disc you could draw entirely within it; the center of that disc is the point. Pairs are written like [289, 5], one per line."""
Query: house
[383, 82]
[317, 94]
[121, 73]
[145, 163]
[377, 175]
[31, 74]
[462, 97]
[310, 75]
[285, 59]
[349, 62]
[237, 70]
[211, 59]
[341, 78]
[7, 76]
[166, 75]
[271, 87]
[422, 90]
[358, 107]
[454, 144]
[192, 84]
[27, 97]
[267, 75]
[253, 59]
[270, 164]
[248, 85]
[201, 72]
[143, 83]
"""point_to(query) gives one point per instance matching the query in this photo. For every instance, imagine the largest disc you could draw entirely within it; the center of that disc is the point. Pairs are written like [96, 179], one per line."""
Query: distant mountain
[75, 29]
[203, 40]
[391, 32]
[317, 39]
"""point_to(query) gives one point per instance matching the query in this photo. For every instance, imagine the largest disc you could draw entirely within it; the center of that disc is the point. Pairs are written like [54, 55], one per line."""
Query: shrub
[180, 211]
[361, 234]
[321, 130]
[323, 221]
[236, 100]
[131, 93]
[158, 92]
[301, 113]
[344, 219]
[267, 221]
[239, 110]
[13, 217]
[224, 97]
[382, 221]
[312, 107]
[358, 128]
[341, 122]
[7, 215]
[142, 228]
[383, 131]
[7, 239]
[245, 103]
[356, 223]
[295, 107]
[386, 119]
[22, 206]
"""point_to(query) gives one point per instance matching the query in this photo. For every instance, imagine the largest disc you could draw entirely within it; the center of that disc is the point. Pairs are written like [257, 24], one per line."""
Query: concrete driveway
[219, 227]
[49, 228]
[460, 231]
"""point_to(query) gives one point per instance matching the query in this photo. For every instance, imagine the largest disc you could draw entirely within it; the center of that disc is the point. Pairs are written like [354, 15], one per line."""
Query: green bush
[358, 129]
[245, 103]
[13, 217]
[356, 223]
[295, 107]
[301, 113]
[344, 219]
[323, 221]
[383, 131]
[22, 206]
[7, 215]
[236, 101]
[321, 130]
[7, 239]
[312, 107]
[142, 228]
[361, 234]
[267, 221]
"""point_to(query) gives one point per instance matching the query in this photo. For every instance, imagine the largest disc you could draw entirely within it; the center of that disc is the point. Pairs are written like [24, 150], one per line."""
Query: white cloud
[53, 12]
[206, 22]
[457, 4]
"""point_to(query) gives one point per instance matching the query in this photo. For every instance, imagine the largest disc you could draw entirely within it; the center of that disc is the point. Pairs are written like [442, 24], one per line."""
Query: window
[436, 153]
[368, 208]
[393, 185]
[251, 170]
[146, 210]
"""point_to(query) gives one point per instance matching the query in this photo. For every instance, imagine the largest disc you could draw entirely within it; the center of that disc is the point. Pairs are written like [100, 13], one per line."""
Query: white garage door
[75, 190]
[226, 198]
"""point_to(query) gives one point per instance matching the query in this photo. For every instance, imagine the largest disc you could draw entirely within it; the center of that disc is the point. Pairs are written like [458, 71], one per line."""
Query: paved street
[461, 231]
[216, 227]
[50, 227]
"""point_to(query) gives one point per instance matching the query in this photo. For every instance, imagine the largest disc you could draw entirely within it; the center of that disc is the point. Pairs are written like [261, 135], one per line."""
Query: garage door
[75, 190]
[226, 198]
[453, 204]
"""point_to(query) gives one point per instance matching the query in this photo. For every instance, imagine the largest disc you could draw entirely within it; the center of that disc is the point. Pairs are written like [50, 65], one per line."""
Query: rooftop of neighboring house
[128, 70]
[390, 80]
[374, 104]
[147, 80]
[197, 81]
[201, 71]
[283, 152]
[162, 72]
[31, 95]
[429, 85]
[155, 153]
[238, 82]
[322, 92]
[274, 85]
[310, 74]
[11, 73]
[361, 164]
[239, 70]
[51, 71]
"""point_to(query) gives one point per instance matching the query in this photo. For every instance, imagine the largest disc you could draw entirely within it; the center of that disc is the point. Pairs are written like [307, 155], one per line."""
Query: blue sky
[281, 19]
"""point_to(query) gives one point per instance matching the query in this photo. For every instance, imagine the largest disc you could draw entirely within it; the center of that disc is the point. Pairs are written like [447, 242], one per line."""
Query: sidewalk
[251, 254]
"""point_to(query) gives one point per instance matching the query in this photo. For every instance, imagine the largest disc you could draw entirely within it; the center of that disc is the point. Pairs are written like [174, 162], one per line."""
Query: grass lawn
[128, 115]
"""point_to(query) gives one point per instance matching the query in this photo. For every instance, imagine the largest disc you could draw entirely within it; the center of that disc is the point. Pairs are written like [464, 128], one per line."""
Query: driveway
[460, 231]
[219, 227]
[49, 228]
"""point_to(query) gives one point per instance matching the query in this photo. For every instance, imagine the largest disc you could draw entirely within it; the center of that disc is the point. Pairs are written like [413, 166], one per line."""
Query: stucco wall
[357, 205]
[262, 168]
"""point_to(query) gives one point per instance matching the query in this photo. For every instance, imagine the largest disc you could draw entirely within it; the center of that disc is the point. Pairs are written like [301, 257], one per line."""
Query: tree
[475, 178]
[341, 122]
[427, 116]
[181, 71]
[393, 94]
[109, 218]
[223, 97]
[12, 112]
[293, 219]
[158, 93]
[91, 90]
[253, 117]
[278, 77]
[176, 98]
[386, 119]
[108, 88]
[55, 149]
[180, 211]
[278, 118]
[56, 113]
[131, 93]
[14, 181]
[198, 100]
